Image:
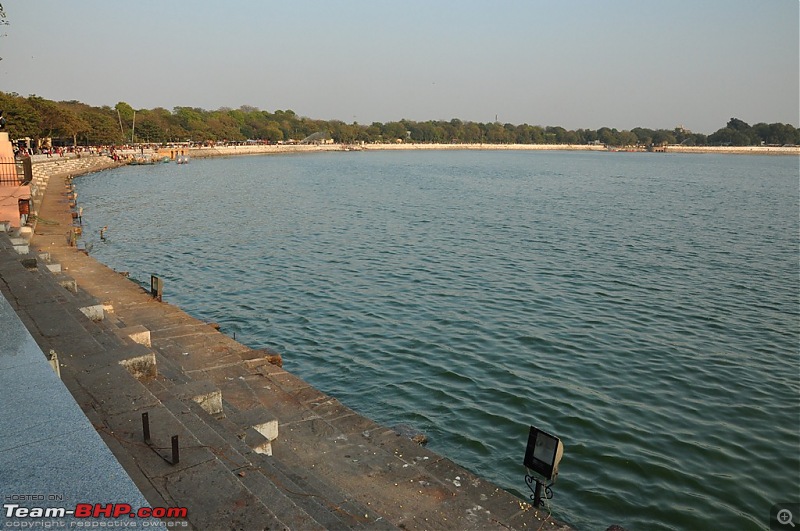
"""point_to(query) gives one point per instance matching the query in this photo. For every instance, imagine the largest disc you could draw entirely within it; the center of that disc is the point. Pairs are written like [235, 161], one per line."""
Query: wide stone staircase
[224, 474]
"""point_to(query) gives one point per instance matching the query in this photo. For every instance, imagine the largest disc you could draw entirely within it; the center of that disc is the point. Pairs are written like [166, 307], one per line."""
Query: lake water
[642, 307]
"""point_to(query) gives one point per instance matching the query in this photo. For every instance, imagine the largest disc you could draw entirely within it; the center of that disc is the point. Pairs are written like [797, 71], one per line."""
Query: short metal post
[176, 453]
[146, 427]
[537, 495]
[156, 287]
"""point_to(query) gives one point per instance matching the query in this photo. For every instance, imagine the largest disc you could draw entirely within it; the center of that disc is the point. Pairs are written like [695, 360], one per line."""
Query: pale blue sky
[573, 63]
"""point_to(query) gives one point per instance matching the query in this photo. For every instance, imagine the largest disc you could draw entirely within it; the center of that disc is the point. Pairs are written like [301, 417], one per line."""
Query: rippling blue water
[643, 307]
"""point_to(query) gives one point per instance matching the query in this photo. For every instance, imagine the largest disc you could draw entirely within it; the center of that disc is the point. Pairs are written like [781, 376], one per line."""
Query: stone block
[142, 367]
[93, 312]
[53, 359]
[5, 226]
[68, 283]
[258, 357]
[204, 393]
[137, 334]
[259, 419]
[54, 268]
[257, 441]
[44, 257]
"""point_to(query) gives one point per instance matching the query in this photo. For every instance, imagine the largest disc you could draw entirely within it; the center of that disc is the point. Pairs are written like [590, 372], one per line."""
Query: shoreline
[272, 149]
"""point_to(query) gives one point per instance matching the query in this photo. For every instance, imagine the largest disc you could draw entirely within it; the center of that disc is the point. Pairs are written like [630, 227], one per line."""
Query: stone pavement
[50, 455]
[258, 447]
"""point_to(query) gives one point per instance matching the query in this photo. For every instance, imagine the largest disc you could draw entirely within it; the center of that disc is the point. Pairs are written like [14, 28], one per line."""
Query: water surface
[643, 307]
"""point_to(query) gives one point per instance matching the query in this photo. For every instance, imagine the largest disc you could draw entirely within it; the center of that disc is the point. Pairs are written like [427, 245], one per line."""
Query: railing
[16, 173]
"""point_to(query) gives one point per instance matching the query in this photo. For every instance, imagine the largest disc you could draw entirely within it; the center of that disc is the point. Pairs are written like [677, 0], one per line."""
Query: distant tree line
[73, 122]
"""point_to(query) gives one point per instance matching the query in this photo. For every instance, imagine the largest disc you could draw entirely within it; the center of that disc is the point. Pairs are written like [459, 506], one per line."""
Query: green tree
[222, 126]
[55, 120]
[730, 137]
[776, 133]
[737, 125]
[272, 132]
[587, 135]
[644, 136]
[627, 138]
[394, 131]
[125, 118]
[103, 126]
[193, 121]
[343, 133]
[36, 117]
[607, 136]
[22, 118]
[662, 137]
[497, 134]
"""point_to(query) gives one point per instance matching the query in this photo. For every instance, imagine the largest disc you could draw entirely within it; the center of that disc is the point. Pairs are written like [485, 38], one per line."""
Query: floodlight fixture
[542, 456]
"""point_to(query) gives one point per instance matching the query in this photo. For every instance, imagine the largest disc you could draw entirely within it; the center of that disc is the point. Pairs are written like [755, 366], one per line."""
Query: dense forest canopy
[77, 123]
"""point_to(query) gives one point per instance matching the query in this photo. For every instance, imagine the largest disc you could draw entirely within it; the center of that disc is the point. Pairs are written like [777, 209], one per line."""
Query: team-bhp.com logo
[91, 511]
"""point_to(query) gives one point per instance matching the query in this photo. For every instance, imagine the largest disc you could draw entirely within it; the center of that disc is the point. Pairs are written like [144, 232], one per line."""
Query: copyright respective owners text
[56, 511]
[784, 516]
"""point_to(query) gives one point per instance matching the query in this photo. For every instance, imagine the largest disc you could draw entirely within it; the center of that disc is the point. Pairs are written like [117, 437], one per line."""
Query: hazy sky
[577, 64]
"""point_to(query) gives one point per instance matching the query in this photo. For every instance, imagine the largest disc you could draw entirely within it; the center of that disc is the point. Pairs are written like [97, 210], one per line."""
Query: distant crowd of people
[23, 150]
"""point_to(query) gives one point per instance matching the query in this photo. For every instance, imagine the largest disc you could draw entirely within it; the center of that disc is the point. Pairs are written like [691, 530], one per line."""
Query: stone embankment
[257, 448]
[735, 150]
[228, 151]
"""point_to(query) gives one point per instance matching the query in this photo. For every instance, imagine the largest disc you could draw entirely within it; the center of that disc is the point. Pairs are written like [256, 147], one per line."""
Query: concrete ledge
[204, 393]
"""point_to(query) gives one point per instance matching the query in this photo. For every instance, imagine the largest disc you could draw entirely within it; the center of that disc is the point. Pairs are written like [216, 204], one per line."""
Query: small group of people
[22, 152]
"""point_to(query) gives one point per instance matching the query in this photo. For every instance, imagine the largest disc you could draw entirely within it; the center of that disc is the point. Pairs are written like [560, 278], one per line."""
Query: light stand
[542, 455]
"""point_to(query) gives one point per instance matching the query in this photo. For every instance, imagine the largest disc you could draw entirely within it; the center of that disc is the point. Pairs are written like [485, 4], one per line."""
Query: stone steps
[317, 497]
[101, 352]
[242, 461]
[303, 502]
